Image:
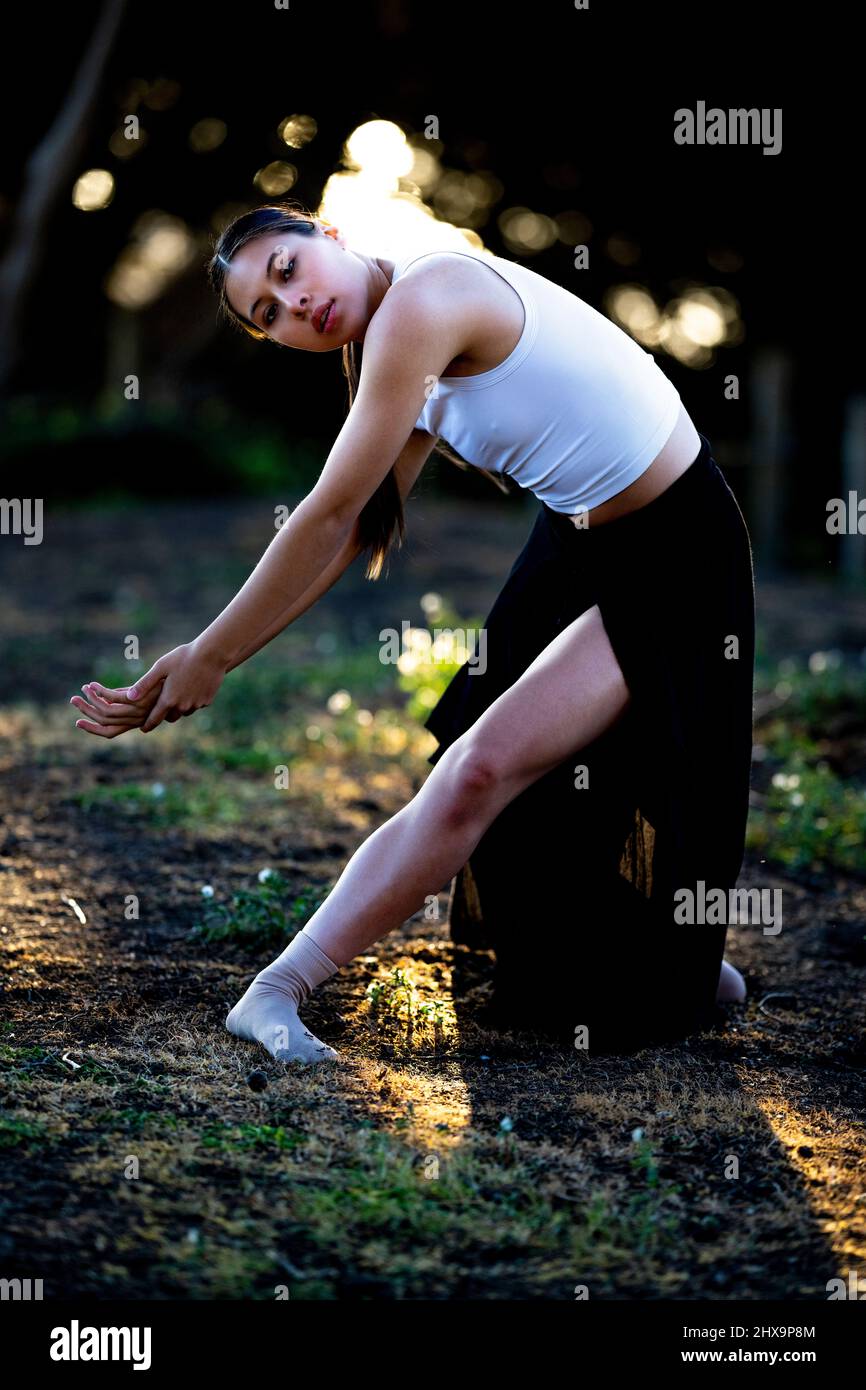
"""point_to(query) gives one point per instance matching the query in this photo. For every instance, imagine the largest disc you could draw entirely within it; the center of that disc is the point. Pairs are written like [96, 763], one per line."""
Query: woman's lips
[327, 319]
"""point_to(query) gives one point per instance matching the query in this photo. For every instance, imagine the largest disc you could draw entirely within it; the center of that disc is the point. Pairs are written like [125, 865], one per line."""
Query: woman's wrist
[209, 647]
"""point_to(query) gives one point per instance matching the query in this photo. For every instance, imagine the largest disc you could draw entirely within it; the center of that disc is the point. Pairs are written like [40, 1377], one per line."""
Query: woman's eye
[285, 274]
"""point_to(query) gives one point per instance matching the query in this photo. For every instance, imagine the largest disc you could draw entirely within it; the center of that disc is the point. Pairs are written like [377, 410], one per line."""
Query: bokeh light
[573, 227]
[160, 248]
[379, 149]
[276, 178]
[296, 131]
[633, 308]
[376, 200]
[525, 233]
[622, 249]
[688, 328]
[207, 134]
[124, 148]
[93, 190]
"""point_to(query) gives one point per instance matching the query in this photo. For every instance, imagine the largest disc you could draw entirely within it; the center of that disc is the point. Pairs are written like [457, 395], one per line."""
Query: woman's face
[283, 284]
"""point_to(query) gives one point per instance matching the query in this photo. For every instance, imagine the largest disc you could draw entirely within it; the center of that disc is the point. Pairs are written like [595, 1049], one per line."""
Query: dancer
[644, 643]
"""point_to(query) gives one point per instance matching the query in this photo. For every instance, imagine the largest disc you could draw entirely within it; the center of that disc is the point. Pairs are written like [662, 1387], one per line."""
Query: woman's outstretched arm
[110, 712]
[188, 678]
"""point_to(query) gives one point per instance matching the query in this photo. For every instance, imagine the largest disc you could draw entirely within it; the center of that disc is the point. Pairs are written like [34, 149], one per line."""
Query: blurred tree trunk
[49, 171]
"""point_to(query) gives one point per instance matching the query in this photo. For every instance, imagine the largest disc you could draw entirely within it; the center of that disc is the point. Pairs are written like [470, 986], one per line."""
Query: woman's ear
[331, 231]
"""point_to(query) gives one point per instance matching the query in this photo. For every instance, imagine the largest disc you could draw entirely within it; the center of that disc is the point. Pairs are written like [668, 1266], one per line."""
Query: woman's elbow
[341, 518]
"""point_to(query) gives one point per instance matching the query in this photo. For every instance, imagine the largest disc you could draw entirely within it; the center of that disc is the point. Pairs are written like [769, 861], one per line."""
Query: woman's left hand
[108, 713]
[189, 678]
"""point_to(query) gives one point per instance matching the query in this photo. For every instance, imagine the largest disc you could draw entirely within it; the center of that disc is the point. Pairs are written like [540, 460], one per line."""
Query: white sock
[268, 1012]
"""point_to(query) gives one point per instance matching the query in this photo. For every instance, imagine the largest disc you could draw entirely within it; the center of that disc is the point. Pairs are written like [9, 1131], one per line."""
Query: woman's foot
[266, 1014]
[732, 986]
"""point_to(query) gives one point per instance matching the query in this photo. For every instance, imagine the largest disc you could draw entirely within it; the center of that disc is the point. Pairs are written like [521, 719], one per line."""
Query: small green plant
[259, 915]
[395, 1008]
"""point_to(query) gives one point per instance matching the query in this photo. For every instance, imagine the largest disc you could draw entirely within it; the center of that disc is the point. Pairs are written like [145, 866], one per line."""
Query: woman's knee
[469, 779]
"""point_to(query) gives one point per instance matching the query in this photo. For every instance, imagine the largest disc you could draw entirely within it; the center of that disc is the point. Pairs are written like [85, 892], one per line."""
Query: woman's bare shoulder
[441, 268]
[467, 291]
[430, 307]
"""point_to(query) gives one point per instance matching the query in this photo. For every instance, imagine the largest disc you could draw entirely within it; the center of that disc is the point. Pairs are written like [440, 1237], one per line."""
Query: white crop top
[575, 413]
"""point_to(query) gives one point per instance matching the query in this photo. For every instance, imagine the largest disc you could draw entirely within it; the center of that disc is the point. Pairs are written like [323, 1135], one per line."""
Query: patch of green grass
[15, 1056]
[816, 689]
[151, 1086]
[134, 1121]
[219, 1270]
[264, 694]
[250, 1136]
[16, 1132]
[261, 915]
[248, 757]
[811, 818]
[92, 1070]
[174, 803]
[642, 1220]
[394, 1214]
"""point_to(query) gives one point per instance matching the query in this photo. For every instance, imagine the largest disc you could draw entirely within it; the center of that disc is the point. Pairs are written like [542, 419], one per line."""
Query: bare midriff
[679, 452]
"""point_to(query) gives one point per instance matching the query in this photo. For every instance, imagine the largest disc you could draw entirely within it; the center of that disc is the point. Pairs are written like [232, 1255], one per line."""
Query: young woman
[620, 650]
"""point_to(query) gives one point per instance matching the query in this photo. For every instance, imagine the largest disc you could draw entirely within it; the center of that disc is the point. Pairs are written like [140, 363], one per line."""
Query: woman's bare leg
[571, 693]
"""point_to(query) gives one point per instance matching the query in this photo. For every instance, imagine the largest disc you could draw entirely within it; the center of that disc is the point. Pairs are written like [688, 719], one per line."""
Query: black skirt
[574, 884]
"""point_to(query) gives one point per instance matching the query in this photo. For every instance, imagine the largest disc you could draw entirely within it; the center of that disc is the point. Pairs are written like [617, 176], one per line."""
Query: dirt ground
[153, 1155]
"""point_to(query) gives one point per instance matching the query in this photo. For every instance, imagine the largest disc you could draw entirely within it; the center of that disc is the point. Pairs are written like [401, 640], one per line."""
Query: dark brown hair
[383, 513]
